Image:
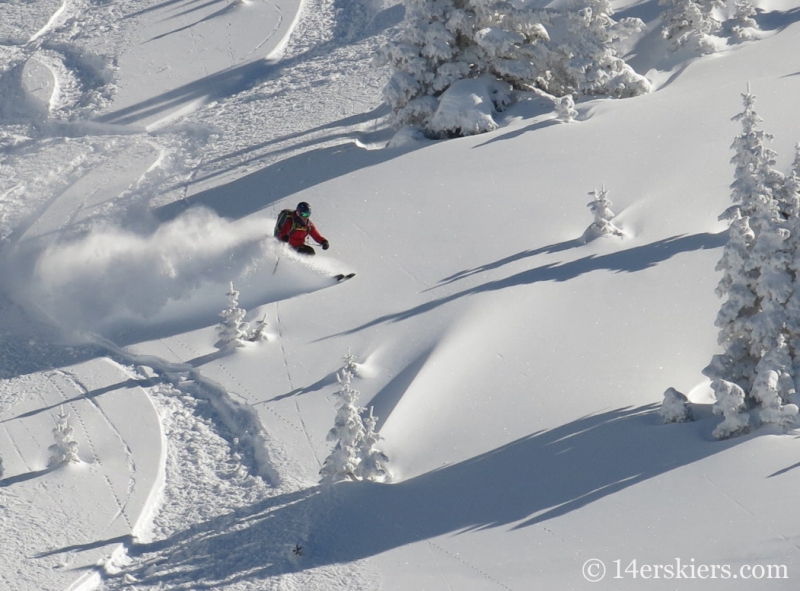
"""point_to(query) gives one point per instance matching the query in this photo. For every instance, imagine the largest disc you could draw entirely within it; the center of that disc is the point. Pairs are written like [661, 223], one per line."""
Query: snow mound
[467, 107]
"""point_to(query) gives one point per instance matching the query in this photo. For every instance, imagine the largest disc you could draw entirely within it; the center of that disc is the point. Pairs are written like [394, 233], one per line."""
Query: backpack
[282, 217]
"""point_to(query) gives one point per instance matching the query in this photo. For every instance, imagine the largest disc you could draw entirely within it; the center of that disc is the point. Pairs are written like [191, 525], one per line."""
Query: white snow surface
[146, 148]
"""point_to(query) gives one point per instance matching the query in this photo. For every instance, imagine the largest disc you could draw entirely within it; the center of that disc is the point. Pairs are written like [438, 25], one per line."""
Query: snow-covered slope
[146, 151]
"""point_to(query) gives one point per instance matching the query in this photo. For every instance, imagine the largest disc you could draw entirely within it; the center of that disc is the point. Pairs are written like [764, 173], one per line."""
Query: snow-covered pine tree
[372, 463]
[736, 364]
[730, 404]
[690, 23]
[600, 206]
[791, 198]
[769, 262]
[791, 185]
[232, 331]
[757, 280]
[675, 407]
[347, 432]
[756, 181]
[774, 386]
[1, 468]
[587, 61]
[65, 448]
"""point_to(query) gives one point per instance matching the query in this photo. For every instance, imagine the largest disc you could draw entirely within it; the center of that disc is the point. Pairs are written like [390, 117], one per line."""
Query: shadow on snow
[243, 77]
[631, 260]
[525, 482]
[269, 185]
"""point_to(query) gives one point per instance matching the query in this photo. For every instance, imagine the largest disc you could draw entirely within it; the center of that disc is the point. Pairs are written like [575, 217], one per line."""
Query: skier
[294, 226]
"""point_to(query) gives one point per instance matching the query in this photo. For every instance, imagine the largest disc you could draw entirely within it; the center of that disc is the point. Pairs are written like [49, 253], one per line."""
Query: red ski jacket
[297, 230]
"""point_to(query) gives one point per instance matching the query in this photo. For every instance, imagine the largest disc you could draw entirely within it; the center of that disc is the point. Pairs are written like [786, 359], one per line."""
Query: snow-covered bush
[65, 448]
[565, 108]
[675, 407]
[233, 331]
[259, 331]
[730, 404]
[600, 206]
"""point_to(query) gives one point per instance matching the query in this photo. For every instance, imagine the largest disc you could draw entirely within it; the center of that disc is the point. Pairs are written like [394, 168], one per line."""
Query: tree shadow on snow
[226, 8]
[323, 382]
[263, 188]
[92, 394]
[522, 131]
[776, 20]
[553, 248]
[523, 483]
[631, 260]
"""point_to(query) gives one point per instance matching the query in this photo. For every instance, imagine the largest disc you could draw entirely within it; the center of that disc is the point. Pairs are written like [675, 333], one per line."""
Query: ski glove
[325, 245]
[285, 238]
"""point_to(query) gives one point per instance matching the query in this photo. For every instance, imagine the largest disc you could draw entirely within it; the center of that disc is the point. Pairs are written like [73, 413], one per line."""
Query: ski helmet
[303, 209]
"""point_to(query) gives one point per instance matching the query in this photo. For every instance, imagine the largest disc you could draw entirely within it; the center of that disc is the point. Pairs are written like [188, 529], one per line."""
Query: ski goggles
[305, 214]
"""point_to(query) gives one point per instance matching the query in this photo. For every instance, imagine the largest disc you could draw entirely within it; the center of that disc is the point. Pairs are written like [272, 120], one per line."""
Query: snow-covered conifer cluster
[354, 455]
[505, 46]
[758, 321]
[233, 331]
[65, 448]
[696, 23]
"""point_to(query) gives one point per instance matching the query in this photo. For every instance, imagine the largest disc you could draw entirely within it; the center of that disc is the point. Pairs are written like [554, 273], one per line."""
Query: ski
[342, 277]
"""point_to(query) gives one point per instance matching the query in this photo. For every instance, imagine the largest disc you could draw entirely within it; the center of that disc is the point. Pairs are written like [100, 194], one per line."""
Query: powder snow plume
[112, 273]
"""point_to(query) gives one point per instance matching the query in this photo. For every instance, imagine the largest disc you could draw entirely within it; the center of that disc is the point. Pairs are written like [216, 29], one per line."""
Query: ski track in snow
[121, 503]
[285, 357]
